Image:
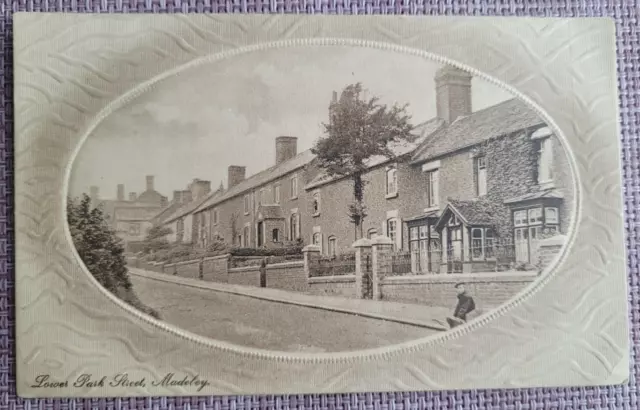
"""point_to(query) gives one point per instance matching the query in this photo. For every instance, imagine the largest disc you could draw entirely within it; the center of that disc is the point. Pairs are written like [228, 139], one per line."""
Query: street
[268, 325]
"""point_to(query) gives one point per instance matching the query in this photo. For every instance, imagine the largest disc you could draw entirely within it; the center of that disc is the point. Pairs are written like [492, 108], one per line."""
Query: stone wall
[215, 269]
[344, 285]
[247, 276]
[170, 269]
[489, 290]
[287, 276]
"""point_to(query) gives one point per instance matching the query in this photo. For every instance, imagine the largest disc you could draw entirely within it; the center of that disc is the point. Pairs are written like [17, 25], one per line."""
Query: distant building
[263, 210]
[184, 226]
[131, 218]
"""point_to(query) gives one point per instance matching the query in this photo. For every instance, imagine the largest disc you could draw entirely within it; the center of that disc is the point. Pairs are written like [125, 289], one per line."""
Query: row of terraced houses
[474, 188]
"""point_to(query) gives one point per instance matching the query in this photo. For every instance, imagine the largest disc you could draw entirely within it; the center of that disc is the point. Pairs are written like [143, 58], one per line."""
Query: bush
[218, 246]
[292, 250]
[101, 250]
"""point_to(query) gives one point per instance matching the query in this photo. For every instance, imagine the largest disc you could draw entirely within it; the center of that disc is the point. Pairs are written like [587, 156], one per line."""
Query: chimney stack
[132, 196]
[199, 188]
[286, 148]
[235, 175]
[453, 93]
[149, 182]
[177, 197]
[120, 192]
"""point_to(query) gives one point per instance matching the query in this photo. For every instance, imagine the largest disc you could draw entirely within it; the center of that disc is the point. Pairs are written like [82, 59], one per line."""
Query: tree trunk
[358, 195]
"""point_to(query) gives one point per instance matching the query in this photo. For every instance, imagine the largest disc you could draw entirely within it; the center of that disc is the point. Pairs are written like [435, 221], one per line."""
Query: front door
[527, 240]
[522, 245]
[260, 234]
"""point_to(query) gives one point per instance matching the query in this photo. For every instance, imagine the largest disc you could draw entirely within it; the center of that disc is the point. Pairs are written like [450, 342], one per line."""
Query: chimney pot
[120, 192]
[286, 148]
[132, 196]
[235, 175]
[453, 93]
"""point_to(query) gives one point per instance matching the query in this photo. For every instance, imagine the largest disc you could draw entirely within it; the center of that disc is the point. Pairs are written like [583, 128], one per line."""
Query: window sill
[316, 214]
[294, 197]
[431, 209]
[246, 213]
[392, 195]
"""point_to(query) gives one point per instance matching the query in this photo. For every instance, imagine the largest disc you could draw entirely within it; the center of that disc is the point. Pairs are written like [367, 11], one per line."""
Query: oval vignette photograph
[320, 199]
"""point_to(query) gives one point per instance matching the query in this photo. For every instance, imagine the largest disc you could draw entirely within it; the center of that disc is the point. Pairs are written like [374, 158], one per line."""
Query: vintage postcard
[212, 204]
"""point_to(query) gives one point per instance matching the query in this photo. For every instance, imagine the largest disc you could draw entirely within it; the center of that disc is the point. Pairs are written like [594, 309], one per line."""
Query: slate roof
[500, 119]
[271, 212]
[167, 212]
[548, 193]
[111, 206]
[192, 206]
[151, 197]
[422, 132]
[261, 178]
[470, 212]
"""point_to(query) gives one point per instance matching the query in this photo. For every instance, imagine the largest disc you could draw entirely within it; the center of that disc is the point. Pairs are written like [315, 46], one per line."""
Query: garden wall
[489, 290]
[344, 285]
[247, 276]
[188, 269]
[215, 269]
[287, 276]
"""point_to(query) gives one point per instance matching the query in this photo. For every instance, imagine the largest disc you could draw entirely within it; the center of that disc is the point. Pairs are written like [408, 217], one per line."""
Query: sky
[229, 112]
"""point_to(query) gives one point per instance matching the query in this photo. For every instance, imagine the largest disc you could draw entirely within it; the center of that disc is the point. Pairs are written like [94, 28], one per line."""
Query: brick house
[182, 223]
[473, 191]
[498, 180]
[264, 210]
[476, 184]
[391, 195]
[131, 218]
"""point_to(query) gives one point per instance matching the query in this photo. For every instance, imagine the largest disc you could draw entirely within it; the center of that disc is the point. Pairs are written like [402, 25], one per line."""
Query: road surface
[268, 325]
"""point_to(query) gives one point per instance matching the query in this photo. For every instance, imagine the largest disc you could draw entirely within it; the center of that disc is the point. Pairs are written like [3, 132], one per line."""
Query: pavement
[422, 316]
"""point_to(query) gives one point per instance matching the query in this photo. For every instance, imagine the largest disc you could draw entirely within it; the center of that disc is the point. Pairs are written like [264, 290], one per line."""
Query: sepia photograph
[321, 199]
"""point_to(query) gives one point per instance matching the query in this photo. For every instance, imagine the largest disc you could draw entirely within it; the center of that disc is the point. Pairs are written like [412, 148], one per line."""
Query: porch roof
[545, 194]
[427, 215]
[270, 212]
[469, 212]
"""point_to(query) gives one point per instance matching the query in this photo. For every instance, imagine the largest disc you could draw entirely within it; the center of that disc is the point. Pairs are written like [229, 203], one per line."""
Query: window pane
[535, 216]
[424, 232]
[482, 182]
[413, 233]
[476, 232]
[551, 215]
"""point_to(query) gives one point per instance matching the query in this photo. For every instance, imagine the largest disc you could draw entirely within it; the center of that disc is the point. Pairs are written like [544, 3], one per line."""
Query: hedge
[182, 253]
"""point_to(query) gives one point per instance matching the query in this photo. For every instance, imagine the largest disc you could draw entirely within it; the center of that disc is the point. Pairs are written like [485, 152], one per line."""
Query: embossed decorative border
[551, 68]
